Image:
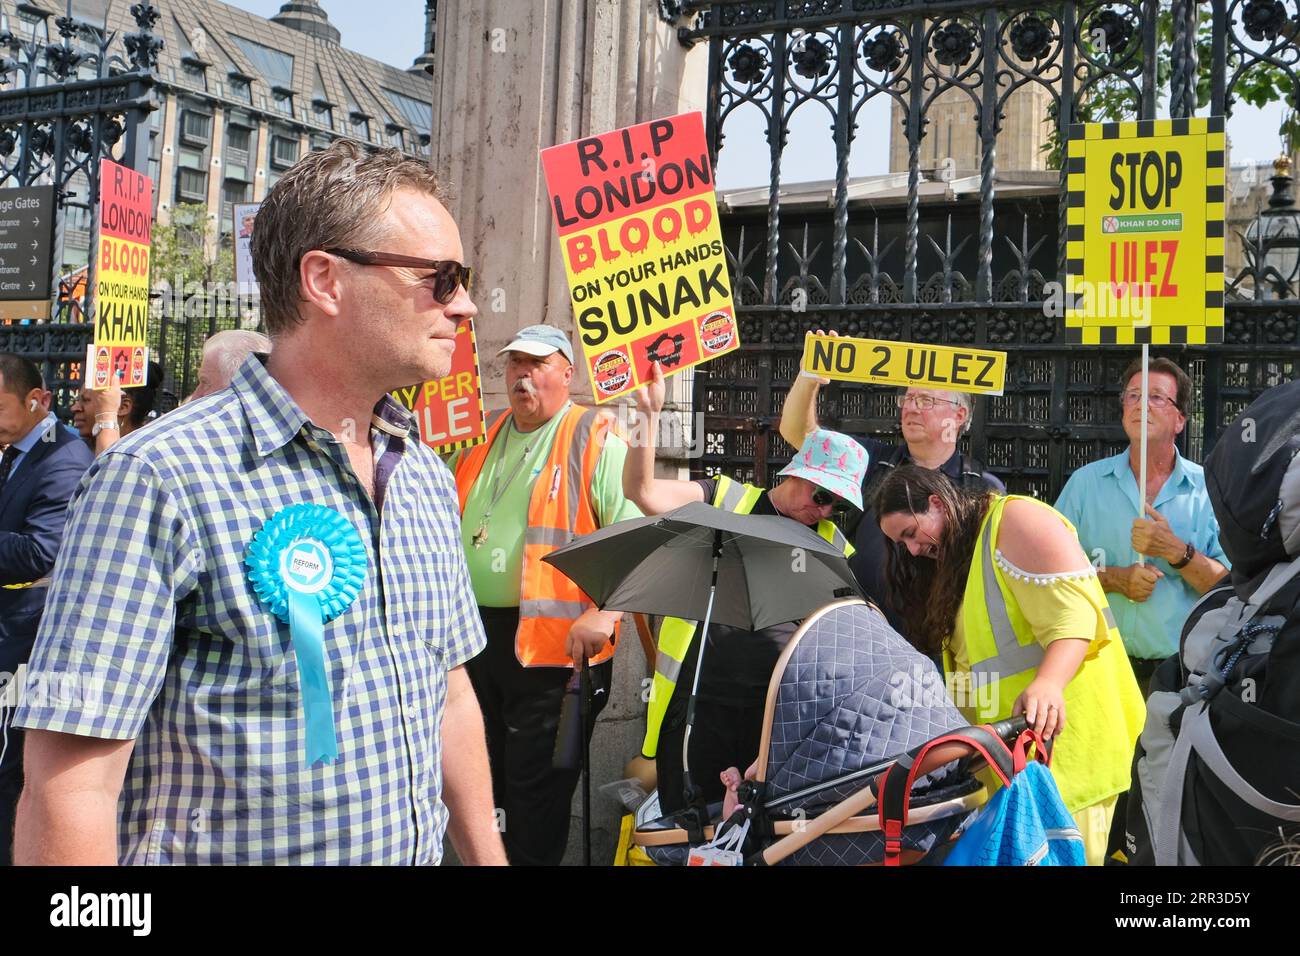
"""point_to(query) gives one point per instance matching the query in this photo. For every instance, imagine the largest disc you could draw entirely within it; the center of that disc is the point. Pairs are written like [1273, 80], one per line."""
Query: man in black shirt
[932, 421]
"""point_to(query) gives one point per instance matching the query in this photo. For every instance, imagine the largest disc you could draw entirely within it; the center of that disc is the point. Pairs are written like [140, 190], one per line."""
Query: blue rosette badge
[307, 565]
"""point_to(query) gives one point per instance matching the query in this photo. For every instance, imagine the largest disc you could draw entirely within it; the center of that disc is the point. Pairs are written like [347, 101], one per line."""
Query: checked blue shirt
[153, 632]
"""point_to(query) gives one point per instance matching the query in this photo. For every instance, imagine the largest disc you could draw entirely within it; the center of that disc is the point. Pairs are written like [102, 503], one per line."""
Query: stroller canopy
[851, 693]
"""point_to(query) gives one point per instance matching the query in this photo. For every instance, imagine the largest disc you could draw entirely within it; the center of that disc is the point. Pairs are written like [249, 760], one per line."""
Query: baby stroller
[849, 699]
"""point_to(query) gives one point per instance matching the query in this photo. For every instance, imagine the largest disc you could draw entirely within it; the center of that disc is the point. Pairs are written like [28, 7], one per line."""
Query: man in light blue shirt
[1177, 532]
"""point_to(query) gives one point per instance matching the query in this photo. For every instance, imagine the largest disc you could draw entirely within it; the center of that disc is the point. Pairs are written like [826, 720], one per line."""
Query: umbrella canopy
[771, 570]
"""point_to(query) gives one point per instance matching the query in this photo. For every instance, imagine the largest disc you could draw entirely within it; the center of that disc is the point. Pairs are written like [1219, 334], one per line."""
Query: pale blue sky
[388, 30]
[743, 163]
[393, 31]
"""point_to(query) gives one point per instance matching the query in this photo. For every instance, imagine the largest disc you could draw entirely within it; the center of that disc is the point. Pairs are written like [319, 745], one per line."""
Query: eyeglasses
[1133, 396]
[922, 403]
[448, 275]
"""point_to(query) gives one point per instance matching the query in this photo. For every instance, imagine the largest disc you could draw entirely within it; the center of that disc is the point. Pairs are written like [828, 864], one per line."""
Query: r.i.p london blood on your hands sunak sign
[642, 248]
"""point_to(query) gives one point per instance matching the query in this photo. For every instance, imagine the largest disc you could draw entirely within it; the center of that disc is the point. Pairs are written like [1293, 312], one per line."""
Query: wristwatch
[112, 426]
[1187, 556]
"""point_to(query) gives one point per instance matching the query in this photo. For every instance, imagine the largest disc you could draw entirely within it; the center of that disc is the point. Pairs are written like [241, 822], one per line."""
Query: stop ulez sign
[1144, 232]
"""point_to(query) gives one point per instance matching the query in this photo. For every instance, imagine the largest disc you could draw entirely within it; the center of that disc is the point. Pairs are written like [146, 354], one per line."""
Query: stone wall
[511, 79]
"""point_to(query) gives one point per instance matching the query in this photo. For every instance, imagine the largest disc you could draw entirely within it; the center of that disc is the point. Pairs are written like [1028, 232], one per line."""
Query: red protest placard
[602, 178]
[642, 248]
[121, 293]
[450, 409]
[125, 203]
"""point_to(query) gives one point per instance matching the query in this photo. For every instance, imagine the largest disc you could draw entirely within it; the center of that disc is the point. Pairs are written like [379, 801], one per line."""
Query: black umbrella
[760, 570]
[770, 570]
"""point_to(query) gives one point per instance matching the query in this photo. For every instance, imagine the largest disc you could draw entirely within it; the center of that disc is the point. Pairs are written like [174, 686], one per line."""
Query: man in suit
[40, 467]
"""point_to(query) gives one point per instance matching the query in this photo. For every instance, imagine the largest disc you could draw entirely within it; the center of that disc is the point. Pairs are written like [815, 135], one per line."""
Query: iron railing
[64, 106]
[975, 269]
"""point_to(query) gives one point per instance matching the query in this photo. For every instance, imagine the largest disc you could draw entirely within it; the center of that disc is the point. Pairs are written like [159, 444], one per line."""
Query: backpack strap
[1206, 680]
[1196, 734]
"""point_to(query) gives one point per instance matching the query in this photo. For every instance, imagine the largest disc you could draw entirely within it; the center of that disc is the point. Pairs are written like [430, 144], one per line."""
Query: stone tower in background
[951, 140]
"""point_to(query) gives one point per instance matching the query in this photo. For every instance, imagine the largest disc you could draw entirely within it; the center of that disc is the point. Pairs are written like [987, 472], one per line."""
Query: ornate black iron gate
[64, 106]
[914, 275]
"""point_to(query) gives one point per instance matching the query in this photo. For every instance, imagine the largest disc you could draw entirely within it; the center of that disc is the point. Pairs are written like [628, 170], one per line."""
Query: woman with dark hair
[1000, 586]
[102, 416]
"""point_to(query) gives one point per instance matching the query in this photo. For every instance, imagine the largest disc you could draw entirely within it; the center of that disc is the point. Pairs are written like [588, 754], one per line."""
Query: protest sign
[243, 214]
[121, 300]
[1144, 232]
[450, 409]
[642, 249]
[881, 362]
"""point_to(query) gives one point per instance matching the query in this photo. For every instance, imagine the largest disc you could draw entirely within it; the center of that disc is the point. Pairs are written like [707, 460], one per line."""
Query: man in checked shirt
[170, 723]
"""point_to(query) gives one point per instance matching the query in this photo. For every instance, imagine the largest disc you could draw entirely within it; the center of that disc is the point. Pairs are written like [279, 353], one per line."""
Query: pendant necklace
[499, 488]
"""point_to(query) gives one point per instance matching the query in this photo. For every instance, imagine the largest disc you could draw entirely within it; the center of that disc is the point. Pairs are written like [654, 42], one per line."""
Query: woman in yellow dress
[999, 585]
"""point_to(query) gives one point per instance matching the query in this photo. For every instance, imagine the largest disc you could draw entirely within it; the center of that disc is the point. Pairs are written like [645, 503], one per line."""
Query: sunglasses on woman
[447, 274]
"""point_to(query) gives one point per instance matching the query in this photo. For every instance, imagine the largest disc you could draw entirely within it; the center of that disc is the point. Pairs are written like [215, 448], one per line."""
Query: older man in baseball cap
[548, 472]
[825, 475]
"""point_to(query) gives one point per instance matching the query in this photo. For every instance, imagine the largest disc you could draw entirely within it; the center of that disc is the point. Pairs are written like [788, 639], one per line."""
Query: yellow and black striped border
[1211, 330]
[456, 446]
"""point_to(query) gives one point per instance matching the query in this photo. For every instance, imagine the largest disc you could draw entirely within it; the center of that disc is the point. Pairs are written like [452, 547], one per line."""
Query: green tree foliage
[1111, 99]
[179, 250]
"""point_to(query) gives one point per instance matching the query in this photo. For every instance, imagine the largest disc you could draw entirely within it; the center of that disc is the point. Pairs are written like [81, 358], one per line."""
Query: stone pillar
[260, 145]
[166, 185]
[216, 183]
[511, 79]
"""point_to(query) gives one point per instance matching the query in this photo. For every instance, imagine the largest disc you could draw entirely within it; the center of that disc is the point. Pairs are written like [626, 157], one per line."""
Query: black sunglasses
[448, 275]
[821, 498]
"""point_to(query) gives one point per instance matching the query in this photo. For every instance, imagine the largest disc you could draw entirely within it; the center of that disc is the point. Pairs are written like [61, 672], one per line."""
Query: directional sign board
[26, 239]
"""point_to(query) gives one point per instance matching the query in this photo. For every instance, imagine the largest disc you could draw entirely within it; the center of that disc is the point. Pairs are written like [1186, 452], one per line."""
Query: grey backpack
[1216, 775]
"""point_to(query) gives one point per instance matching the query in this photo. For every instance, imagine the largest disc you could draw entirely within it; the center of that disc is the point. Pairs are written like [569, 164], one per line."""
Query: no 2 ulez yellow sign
[1144, 232]
[881, 362]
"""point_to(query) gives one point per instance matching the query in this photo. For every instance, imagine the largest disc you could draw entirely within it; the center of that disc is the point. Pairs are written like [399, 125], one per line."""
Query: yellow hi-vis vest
[675, 634]
[1104, 710]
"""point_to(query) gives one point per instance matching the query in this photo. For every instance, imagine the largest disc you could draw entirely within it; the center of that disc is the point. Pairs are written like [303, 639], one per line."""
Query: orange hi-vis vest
[559, 510]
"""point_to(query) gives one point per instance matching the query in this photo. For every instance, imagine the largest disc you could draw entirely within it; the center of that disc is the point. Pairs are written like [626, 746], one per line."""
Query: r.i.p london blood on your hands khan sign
[121, 315]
